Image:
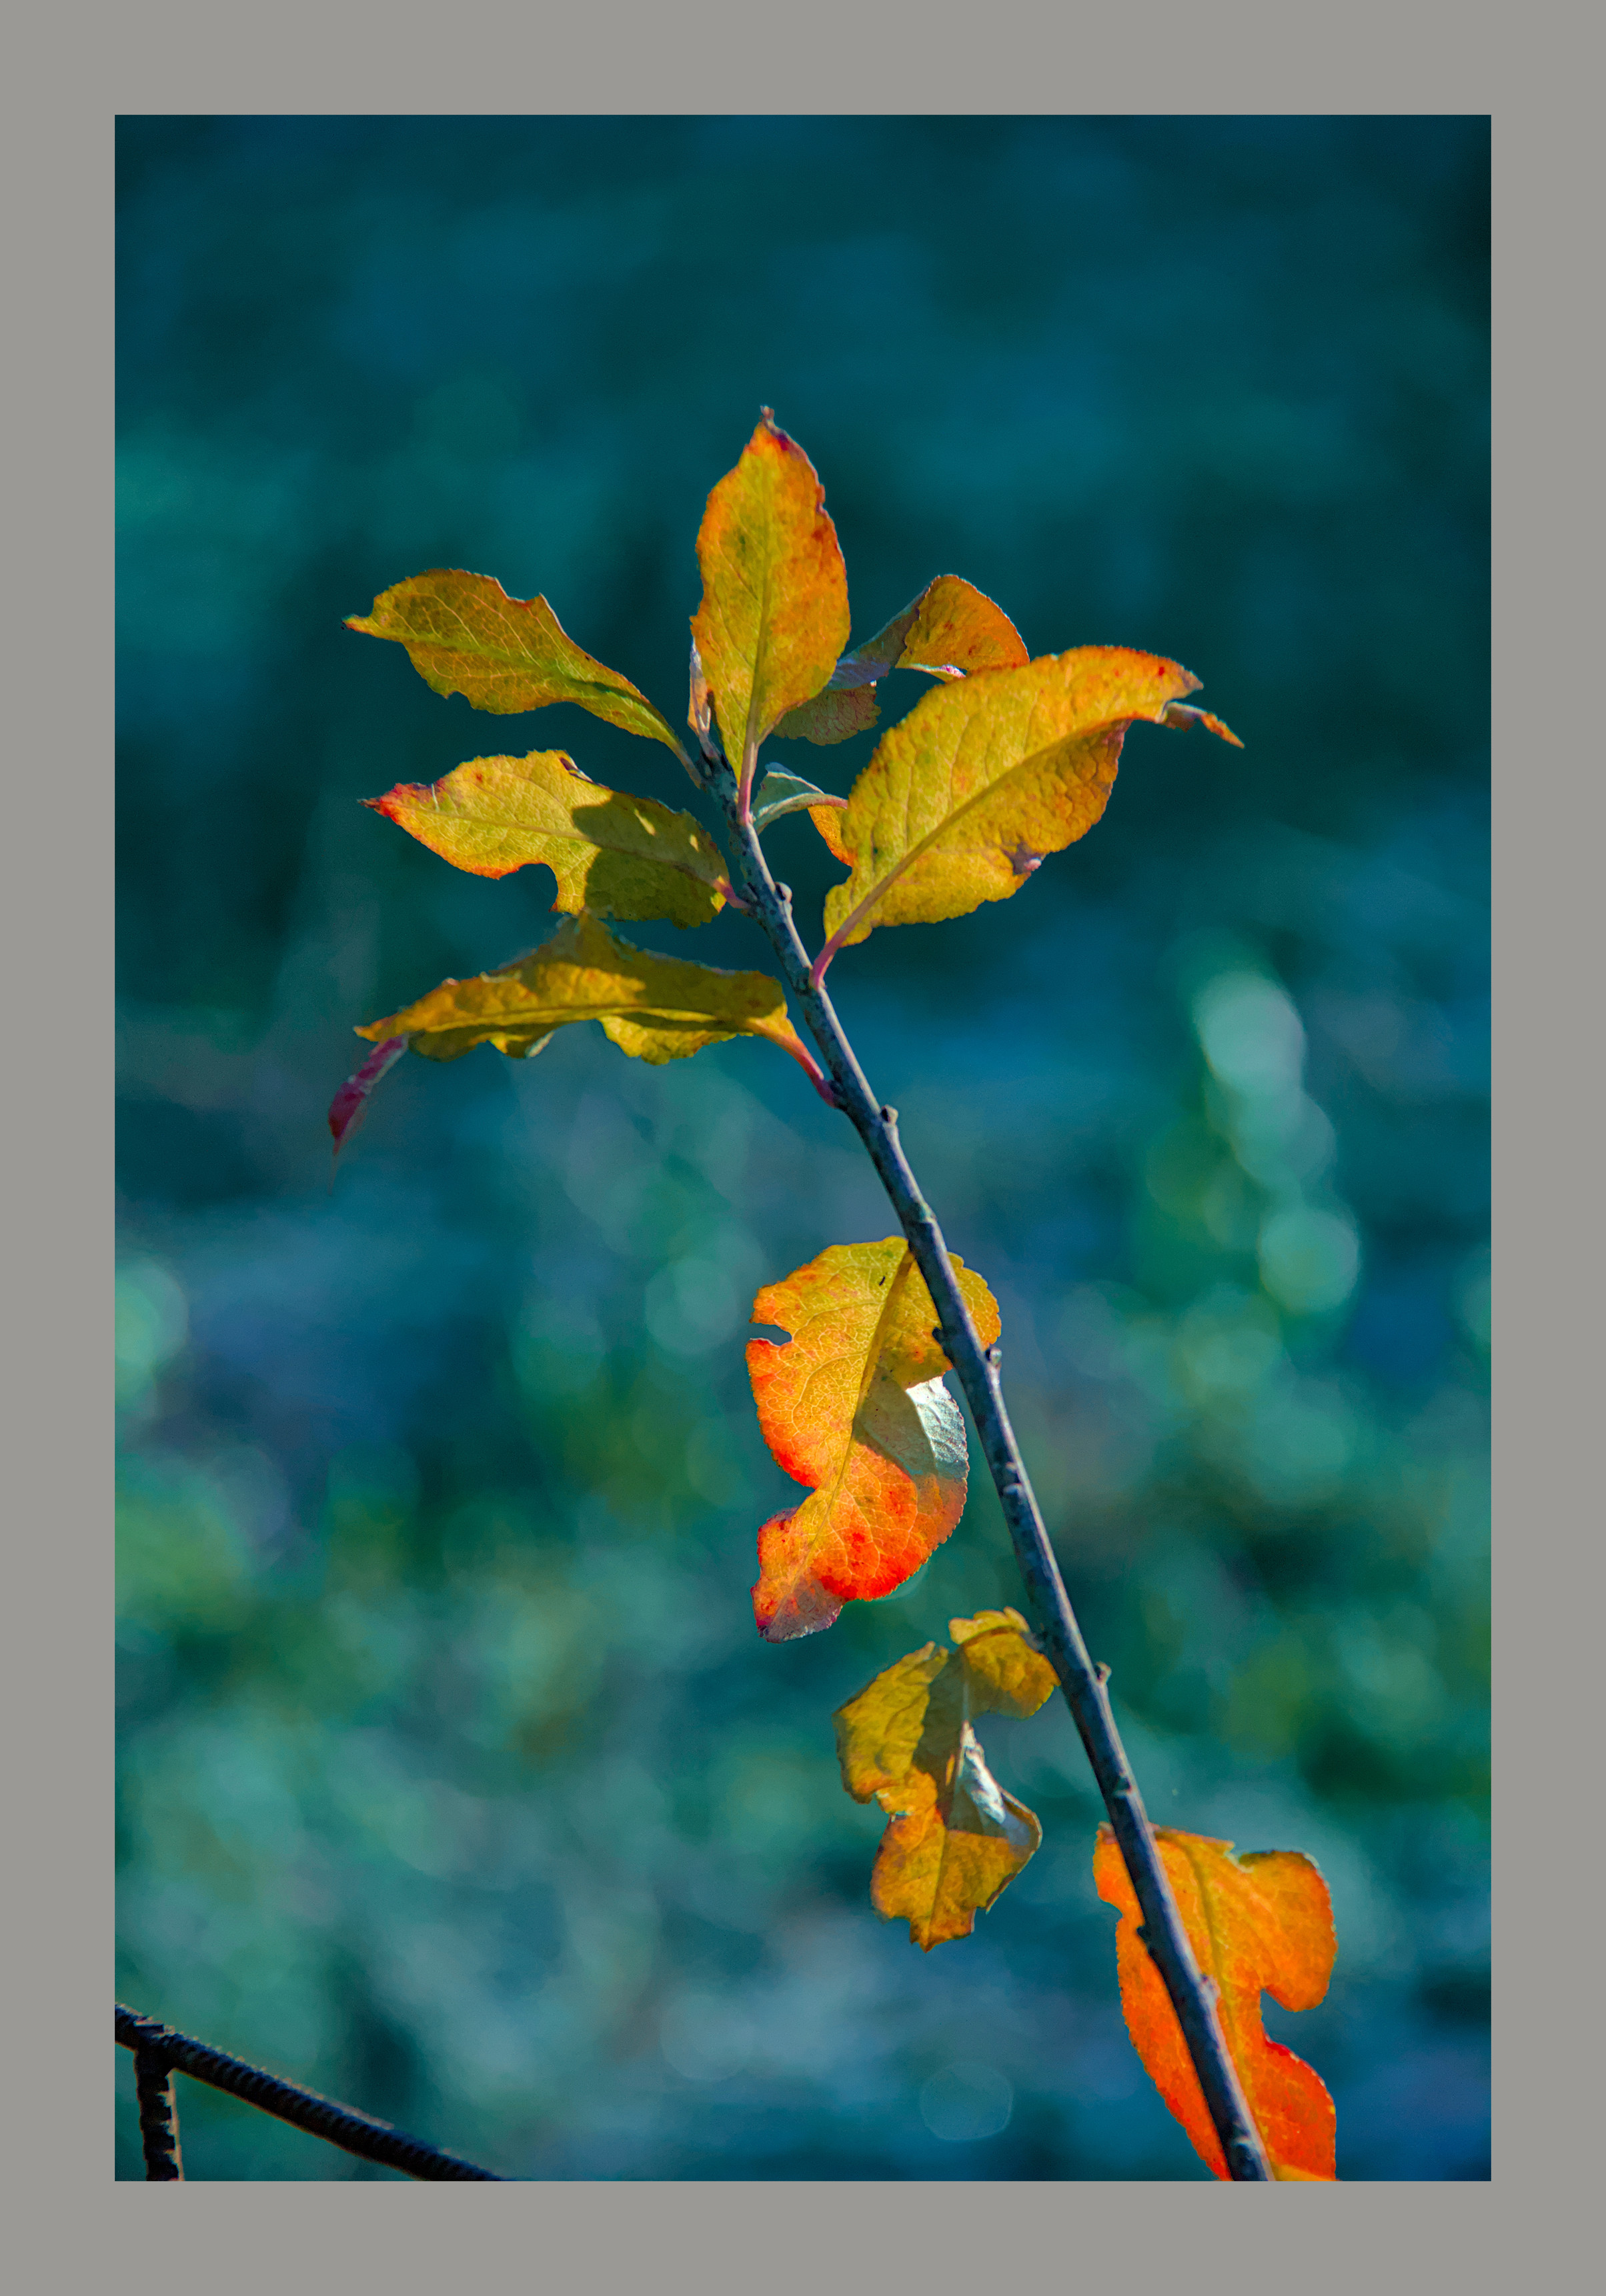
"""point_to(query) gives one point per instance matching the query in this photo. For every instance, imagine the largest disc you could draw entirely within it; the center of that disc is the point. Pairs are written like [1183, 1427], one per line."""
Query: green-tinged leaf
[955, 1838]
[657, 1008]
[617, 856]
[964, 797]
[778, 793]
[855, 1407]
[951, 630]
[831, 716]
[774, 615]
[464, 634]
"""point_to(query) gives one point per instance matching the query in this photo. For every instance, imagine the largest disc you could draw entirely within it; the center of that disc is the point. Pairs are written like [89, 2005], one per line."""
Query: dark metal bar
[369, 2139]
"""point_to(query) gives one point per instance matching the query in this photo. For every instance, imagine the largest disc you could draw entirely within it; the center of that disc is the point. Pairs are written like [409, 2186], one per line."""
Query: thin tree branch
[1192, 1995]
[158, 2052]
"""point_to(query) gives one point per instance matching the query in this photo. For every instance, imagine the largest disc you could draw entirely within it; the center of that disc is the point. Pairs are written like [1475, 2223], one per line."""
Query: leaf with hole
[950, 630]
[855, 1406]
[656, 1008]
[954, 1839]
[617, 856]
[774, 615]
[1262, 1923]
[965, 796]
[464, 634]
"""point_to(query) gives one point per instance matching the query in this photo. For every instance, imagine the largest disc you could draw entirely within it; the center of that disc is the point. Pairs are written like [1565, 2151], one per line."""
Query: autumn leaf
[855, 1406]
[657, 1008]
[1258, 1923]
[617, 856]
[774, 615]
[349, 1105]
[965, 796]
[951, 630]
[955, 1838]
[464, 634]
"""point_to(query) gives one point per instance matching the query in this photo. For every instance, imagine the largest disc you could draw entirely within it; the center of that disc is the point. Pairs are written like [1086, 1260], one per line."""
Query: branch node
[888, 1116]
[1102, 1672]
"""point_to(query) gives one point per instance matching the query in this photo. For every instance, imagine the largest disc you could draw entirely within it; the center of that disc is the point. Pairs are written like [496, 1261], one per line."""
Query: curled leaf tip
[1181, 713]
[349, 1105]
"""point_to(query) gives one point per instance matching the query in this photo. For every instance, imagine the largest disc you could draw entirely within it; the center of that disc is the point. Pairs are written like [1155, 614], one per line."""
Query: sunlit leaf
[617, 856]
[778, 793]
[657, 1008]
[774, 615]
[951, 629]
[855, 1406]
[1258, 1923]
[349, 1105]
[955, 1838]
[464, 634]
[986, 775]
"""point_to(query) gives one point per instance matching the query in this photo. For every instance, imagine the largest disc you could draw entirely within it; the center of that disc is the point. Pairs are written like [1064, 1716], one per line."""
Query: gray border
[71, 75]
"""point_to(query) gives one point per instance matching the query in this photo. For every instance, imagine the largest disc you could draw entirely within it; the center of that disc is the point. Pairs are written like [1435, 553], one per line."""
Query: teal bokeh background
[454, 1780]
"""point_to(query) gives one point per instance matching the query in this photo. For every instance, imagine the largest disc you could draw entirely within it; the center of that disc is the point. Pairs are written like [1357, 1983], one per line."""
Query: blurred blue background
[455, 1779]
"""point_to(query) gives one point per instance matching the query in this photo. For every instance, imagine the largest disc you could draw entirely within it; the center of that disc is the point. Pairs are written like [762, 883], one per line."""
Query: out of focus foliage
[455, 1778]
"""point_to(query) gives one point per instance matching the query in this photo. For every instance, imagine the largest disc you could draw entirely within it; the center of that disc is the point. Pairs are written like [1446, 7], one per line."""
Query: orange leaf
[774, 615]
[949, 630]
[1258, 1923]
[955, 1838]
[856, 1407]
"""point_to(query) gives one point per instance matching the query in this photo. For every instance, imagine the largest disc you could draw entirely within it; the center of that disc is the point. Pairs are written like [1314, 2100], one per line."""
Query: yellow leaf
[774, 615]
[950, 630]
[657, 1008]
[855, 1406]
[464, 634]
[964, 798]
[616, 856]
[956, 1838]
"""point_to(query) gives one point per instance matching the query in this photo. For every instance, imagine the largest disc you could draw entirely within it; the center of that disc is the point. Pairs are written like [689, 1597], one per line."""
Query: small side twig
[1191, 1993]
